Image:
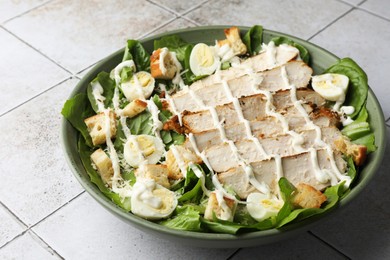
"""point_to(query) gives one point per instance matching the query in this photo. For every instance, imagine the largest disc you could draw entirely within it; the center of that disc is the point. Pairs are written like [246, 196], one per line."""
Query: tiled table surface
[46, 47]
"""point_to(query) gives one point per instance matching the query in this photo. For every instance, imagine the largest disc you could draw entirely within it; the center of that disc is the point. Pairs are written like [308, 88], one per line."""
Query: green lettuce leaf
[192, 189]
[303, 52]
[184, 218]
[360, 131]
[333, 195]
[108, 86]
[253, 39]
[173, 43]
[136, 52]
[75, 110]
[358, 83]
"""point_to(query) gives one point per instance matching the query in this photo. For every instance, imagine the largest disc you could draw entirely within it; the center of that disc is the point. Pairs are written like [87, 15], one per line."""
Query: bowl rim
[154, 227]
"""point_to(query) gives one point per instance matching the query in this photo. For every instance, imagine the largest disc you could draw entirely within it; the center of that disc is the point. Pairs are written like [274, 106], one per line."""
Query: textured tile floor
[47, 46]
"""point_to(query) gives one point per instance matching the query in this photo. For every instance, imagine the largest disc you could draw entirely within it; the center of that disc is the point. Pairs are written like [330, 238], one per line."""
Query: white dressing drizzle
[226, 212]
[118, 184]
[271, 51]
[179, 160]
[214, 178]
[119, 67]
[171, 104]
[201, 176]
[322, 176]
[154, 111]
[97, 91]
[161, 58]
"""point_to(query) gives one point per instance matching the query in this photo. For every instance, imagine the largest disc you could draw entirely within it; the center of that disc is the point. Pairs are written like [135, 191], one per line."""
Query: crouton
[187, 157]
[103, 164]
[223, 211]
[162, 65]
[156, 172]
[234, 40]
[357, 151]
[97, 127]
[307, 196]
[134, 108]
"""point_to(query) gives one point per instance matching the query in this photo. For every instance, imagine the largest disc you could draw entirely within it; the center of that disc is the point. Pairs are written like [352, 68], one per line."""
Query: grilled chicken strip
[297, 169]
[298, 73]
[253, 108]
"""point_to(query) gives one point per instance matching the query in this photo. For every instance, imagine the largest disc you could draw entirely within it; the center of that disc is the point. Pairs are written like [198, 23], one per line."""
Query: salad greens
[189, 214]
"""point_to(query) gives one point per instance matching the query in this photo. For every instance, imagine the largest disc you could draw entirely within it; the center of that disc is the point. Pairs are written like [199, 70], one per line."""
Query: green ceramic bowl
[320, 60]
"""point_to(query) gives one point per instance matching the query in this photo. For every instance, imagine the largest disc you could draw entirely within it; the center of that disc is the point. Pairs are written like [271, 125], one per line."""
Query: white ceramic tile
[11, 8]
[24, 72]
[380, 7]
[361, 229]
[360, 35]
[84, 230]
[35, 178]
[26, 247]
[179, 23]
[304, 246]
[301, 18]
[76, 34]
[353, 2]
[178, 6]
[9, 226]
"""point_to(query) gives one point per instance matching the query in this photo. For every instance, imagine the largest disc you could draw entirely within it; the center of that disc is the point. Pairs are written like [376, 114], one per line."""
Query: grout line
[234, 254]
[37, 95]
[164, 7]
[329, 245]
[178, 14]
[372, 13]
[191, 21]
[156, 29]
[56, 210]
[26, 12]
[331, 23]
[29, 228]
[51, 250]
[20, 222]
[44, 55]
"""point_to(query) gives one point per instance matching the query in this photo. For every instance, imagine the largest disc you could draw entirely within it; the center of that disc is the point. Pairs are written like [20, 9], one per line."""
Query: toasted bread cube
[223, 211]
[233, 39]
[103, 164]
[307, 196]
[97, 127]
[134, 108]
[162, 65]
[186, 157]
[357, 151]
[156, 172]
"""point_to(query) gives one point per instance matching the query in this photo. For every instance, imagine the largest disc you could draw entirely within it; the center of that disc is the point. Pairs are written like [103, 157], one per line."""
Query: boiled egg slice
[140, 86]
[261, 206]
[143, 149]
[203, 60]
[152, 201]
[332, 87]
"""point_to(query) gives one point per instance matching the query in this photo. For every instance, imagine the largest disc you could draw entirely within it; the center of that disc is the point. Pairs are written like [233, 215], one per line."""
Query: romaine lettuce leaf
[303, 52]
[136, 52]
[75, 110]
[253, 39]
[192, 189]
[185, 217]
